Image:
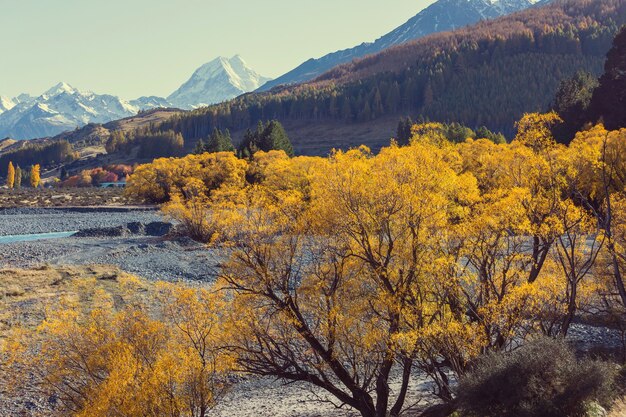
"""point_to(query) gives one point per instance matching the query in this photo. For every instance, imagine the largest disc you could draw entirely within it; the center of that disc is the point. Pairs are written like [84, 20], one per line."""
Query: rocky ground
[18, 221]
[129, 239]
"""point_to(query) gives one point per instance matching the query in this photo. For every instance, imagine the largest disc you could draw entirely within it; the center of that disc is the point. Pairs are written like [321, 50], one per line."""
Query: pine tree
[219, 142]
[377, 105]
[248, 147]
[393, 98]
[200, 148]
[267, 137]
[274, 137]
[572, 102]
[10, 175]
[63, 175]
[609, 99]
[403, 131]
[35, 176]
[18, 177]
[346, 110]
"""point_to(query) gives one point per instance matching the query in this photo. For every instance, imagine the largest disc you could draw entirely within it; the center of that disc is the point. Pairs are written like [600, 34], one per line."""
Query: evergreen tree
[458, 133]
[10, 175]
[346, 110]
[609, 99]
[219, 142]
[267, 137]
[63, 175]
[572, 103]
[26, 175]
[200, 147]
[484, 133]
[18, 177]
[248, 147]
[274, 137]
[403, 131]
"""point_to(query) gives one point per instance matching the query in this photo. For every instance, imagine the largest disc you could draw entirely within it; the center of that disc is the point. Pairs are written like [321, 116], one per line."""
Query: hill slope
[441, 16]
[488, 74]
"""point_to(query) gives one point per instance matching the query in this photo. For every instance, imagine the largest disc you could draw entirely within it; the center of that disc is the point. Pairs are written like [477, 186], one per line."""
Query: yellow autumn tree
[35, 176]
[596, 173]
[344, 271]
[11, 175]
[348, 281]
[138, 360]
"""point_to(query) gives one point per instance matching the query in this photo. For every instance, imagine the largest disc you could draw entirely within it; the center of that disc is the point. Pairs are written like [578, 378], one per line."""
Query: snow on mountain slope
[64, 107]
[6, 104]
[443, 15]
[60, 108]
[150, 102]
[217, 81]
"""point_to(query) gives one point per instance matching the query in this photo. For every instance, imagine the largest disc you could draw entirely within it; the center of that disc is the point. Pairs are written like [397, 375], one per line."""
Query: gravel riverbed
[151, 257]
[21, 221]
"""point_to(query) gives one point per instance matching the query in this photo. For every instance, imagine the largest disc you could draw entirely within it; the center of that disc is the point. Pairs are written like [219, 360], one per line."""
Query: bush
[542, 379]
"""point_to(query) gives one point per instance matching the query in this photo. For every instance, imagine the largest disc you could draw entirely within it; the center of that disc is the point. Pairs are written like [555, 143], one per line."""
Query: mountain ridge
[443, 15]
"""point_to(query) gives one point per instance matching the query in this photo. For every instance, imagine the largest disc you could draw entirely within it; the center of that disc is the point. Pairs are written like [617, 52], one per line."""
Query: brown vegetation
[66, 197]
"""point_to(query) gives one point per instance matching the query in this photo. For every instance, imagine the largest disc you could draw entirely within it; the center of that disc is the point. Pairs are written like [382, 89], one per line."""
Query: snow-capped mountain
[64, 107]
[150, 102]
[6, 104]
[60, 108]
[441, 16]
[217, 81]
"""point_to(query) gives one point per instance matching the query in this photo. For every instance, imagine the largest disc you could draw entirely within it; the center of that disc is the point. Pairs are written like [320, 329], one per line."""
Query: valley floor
[121, 238]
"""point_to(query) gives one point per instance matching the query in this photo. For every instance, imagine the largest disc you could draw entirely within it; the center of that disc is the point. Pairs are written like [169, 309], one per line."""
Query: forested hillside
[488, 74]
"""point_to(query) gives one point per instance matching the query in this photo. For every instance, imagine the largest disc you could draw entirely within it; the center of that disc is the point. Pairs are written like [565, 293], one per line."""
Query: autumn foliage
[422, 257]
[96, 176]
[123, 355]
[357, 270]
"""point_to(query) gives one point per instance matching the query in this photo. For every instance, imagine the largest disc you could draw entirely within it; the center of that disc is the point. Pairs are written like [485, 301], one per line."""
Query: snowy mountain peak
[60, 88]
[216, 81]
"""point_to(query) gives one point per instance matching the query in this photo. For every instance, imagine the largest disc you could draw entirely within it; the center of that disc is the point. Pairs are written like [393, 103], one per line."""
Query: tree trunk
[406, 377]
[571, 309]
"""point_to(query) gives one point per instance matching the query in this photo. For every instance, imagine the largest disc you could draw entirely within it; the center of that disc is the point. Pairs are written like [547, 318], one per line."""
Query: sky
[133, 48]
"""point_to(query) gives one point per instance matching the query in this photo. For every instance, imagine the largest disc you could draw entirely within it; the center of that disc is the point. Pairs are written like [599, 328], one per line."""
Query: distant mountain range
[64, 107]
[441, 16]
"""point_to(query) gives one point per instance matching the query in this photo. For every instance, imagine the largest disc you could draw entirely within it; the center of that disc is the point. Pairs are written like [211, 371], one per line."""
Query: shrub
[542, 379]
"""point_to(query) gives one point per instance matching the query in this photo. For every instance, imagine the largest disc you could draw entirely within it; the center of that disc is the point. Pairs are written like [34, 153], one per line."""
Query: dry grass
[5, 143]
[142, 120]
[64, 197]
[618, 409]
[26, 294]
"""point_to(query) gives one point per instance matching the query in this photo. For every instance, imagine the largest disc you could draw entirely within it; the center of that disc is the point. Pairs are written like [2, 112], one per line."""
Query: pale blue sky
[149, 47]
